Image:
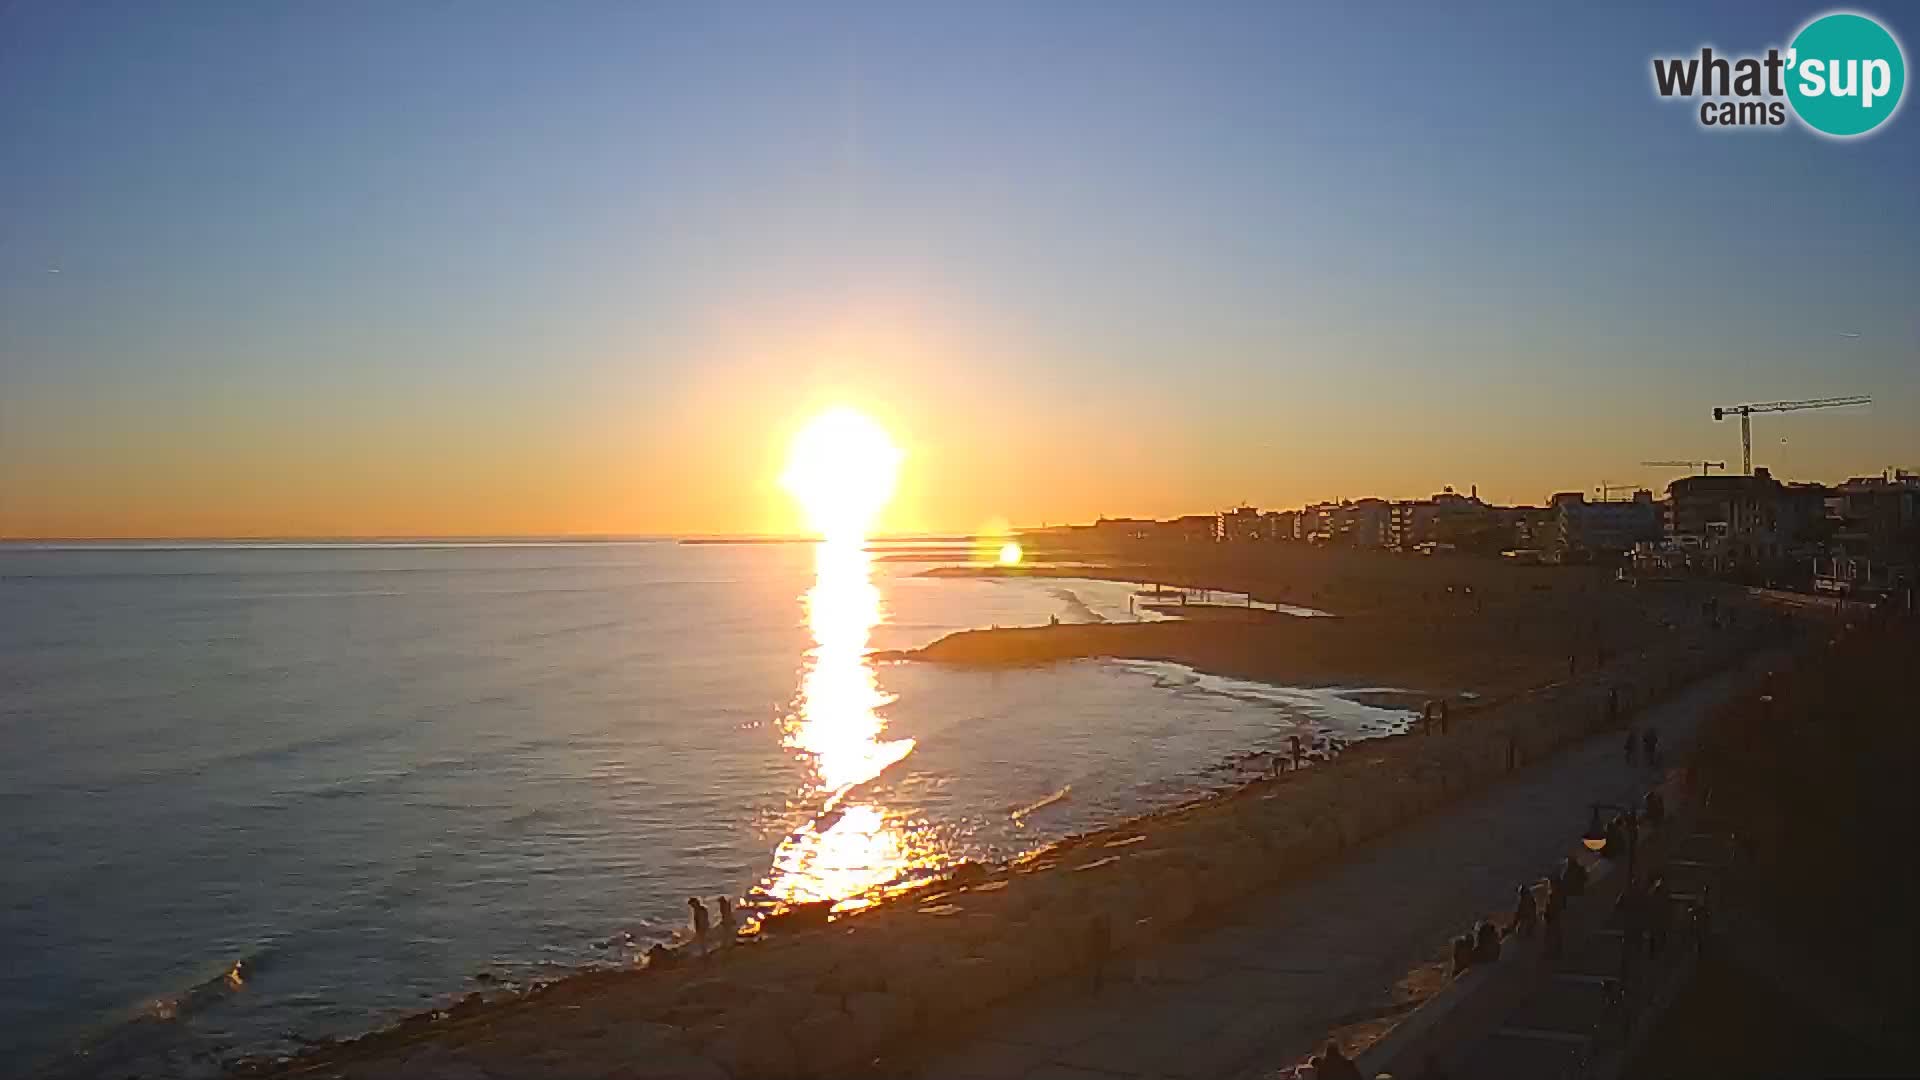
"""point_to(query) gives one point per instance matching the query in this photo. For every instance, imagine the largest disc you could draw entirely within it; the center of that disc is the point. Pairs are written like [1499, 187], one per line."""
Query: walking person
[1650, 742]
[1525, 911]
[727, 927]
[1462, 953]
[1573, 877]
[1632, 738]
[1556, 903]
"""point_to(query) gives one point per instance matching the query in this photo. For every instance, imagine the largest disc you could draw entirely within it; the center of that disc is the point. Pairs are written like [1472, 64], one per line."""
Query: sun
[841, 469]
[1009, 554]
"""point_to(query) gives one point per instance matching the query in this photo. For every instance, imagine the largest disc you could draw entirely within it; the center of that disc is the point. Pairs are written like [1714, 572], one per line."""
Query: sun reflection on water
[854, 847]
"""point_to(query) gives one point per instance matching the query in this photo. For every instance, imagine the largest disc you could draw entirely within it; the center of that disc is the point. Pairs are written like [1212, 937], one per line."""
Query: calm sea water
[250, 794]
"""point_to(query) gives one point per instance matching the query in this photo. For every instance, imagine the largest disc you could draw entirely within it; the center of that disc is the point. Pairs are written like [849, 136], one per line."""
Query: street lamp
[1599, 839]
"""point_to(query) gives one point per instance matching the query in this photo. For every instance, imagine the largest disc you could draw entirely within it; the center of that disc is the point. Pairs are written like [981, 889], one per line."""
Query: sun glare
[1009, 553]
[841, 468]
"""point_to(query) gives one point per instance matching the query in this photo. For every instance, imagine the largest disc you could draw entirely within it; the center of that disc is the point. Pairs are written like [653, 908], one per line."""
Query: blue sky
[436, 267]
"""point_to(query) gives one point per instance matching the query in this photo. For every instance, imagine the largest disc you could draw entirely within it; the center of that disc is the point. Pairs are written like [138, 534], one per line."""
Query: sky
[379, 269]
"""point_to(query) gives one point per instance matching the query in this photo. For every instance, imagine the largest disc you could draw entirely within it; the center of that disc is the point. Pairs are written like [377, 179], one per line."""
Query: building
[1278, 524]
[1531, 528]
[1876, 517]
[1450, 519]
[1410, 524]
[1725, 522]
[1310, 524]
[1193, 528]
[1241, 525]
[1366, 523]
[1601, 531]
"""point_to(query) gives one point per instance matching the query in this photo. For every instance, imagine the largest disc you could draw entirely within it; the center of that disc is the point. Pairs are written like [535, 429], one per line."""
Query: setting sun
[841, 468]
[1009, 553]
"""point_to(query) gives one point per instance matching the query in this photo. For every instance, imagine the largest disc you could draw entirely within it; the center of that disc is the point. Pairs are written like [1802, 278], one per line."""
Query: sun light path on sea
[842, 469]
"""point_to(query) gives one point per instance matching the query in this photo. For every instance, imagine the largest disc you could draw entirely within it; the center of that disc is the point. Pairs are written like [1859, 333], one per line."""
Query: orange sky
[626, 455]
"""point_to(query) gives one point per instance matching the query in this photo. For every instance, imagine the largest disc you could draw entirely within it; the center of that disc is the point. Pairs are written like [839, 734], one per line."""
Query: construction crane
[1745, 412]
[1606, 490]
[1705, 467]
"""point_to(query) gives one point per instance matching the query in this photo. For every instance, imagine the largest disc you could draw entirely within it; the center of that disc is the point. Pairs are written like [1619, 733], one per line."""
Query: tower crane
[1705, 467]
[1606, 490]
[1745, 412]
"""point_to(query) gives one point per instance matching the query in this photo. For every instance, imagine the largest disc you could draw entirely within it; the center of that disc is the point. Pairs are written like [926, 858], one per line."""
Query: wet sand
[1486, 644]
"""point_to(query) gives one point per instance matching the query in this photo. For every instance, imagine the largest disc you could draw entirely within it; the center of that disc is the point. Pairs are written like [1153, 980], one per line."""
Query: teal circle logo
[1845, 73]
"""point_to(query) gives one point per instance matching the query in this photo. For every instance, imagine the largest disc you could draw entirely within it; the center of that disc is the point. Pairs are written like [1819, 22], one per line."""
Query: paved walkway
[1249, 997]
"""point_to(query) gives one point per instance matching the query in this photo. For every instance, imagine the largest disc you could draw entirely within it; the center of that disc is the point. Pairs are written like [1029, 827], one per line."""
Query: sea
[254, 795]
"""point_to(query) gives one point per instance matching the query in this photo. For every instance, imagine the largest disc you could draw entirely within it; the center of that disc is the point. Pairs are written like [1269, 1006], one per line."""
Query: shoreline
[983, 917]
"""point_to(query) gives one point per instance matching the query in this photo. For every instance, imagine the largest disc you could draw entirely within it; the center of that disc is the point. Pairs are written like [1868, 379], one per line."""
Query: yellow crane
[1745, 412]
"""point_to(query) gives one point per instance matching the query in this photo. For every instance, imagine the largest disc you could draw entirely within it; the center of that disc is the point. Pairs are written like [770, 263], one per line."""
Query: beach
[1527, 661]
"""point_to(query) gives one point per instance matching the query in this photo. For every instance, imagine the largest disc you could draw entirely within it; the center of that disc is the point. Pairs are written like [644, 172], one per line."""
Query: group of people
[1295, 757]
[661, 956]
[703, 923]
[1481, 945]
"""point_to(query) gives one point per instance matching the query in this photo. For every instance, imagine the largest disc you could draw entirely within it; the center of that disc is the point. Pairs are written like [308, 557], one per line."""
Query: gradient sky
[469, 268]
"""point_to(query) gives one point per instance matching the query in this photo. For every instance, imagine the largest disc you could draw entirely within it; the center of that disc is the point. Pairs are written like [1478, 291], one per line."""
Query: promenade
[1250, 996]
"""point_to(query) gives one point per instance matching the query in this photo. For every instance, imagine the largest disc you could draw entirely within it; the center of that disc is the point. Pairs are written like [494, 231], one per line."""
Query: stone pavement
[1249, 996]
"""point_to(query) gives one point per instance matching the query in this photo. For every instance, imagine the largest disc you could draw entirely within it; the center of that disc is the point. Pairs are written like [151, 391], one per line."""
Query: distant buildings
[1861, 533]
[1875, 516]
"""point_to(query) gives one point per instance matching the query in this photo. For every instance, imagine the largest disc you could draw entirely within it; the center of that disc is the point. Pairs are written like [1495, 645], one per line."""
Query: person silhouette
[701, 921]
[1525, 911]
